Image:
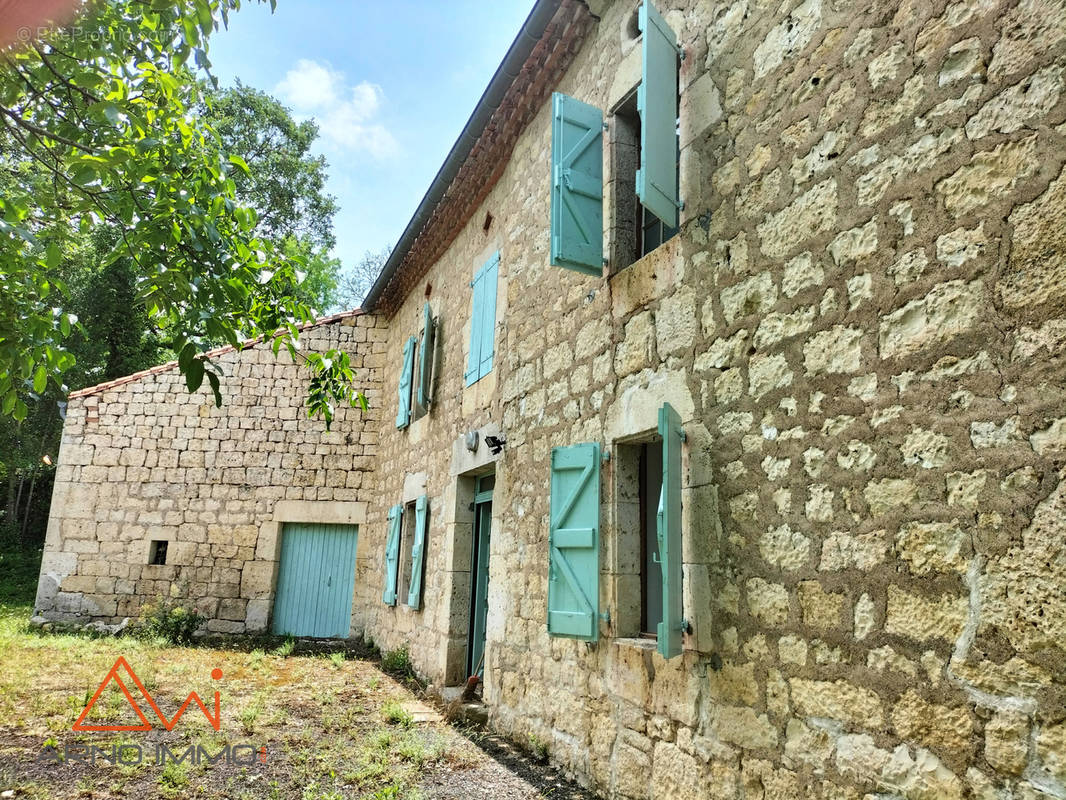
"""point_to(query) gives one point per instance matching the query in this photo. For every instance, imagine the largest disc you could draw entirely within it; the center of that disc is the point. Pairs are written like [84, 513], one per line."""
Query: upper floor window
[415, 386]
[645, 157]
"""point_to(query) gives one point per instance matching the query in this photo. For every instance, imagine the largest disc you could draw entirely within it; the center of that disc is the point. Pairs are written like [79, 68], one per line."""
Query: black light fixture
[495, 443]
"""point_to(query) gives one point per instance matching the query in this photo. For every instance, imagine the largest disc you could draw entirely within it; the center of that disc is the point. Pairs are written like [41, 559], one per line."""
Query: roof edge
[169, 365]
[532, 31]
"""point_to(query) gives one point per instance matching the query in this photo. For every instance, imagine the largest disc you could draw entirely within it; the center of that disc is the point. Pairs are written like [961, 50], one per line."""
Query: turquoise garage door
[315, 580]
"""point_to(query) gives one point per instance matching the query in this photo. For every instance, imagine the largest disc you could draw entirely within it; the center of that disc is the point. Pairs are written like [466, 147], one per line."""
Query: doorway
[315, 580]
[479, 574]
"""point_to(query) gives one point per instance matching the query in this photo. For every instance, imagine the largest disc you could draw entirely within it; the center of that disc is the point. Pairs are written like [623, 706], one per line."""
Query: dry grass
[332, 727]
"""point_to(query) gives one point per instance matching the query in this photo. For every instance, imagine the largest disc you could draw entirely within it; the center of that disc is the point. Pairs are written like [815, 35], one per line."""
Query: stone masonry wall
[147, 460]
[863, 326]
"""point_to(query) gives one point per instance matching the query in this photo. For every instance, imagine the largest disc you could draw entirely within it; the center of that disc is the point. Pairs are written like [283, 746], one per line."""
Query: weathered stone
[833, 351]
[820, 609]
[785, 548]
[1010, 110]
[837, 700]
[808, 215]
[989, 176]
[788, 38]
[766, 373]
[767, 602]
[949, 309]
[800, 273]
[1036, 270]
[1007, 742]
[1030, 29]
[922, 618]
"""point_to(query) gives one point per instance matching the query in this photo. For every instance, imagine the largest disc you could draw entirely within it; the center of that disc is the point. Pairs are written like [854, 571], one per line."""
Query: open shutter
[483, 320]
[477, 304]
[403, 413]
[668, 529]
[425, 358]
[577, 185]
[418, 548]
[657, 104]
[392, 555]
[574, 542]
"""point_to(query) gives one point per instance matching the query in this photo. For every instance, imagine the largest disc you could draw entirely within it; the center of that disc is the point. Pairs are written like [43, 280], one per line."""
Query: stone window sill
[636, 643]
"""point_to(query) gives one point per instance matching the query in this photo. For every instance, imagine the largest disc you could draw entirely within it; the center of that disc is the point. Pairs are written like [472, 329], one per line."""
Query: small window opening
[487, 223]
[635, 231]
[407, 539]
[157, 552]
[638, 485]
[651, 573]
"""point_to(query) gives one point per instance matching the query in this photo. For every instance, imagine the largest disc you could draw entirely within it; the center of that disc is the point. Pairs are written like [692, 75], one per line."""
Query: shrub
[393, 713]
[169, 620]
[397, 662]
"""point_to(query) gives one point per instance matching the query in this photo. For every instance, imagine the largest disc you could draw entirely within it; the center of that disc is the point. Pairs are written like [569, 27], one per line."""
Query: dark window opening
[407, 540]
[651, 574]
[635, 231]
[157, 553]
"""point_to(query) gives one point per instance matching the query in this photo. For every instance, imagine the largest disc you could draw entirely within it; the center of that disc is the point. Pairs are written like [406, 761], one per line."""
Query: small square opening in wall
[157, 552]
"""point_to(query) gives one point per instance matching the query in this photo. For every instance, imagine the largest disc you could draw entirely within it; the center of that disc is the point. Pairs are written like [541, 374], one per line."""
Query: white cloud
[345, 114]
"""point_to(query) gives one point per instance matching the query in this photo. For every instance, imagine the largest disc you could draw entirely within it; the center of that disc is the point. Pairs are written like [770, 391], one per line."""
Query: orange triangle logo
[113, 675]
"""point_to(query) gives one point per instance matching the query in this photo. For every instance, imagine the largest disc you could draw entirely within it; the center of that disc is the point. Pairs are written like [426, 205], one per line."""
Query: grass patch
[398, 663]
[395, 714]
[332, 721]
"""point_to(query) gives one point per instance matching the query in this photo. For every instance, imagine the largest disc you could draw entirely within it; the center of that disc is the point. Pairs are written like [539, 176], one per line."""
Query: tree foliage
[355, 282]
[102, 128]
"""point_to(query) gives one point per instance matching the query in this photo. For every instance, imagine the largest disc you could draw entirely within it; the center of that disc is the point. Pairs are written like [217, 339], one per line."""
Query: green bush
[169, 620]
[397, 662]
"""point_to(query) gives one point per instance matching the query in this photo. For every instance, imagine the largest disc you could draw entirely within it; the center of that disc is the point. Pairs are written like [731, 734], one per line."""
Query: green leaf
[212, 379]
[194, 374]
[40, 379]
[240, 162]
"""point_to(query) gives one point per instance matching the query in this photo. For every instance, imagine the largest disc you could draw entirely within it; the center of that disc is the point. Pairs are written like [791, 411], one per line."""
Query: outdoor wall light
[495, 443]
[471, 441]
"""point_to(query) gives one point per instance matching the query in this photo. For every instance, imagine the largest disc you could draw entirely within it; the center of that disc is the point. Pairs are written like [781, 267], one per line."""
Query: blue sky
[391, 85]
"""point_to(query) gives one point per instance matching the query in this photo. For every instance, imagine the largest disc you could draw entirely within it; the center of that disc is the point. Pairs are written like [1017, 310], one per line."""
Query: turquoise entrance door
[479, 575]
[315, 580]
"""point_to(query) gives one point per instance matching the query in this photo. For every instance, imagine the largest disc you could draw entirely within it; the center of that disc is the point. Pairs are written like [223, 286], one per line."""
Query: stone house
[717, 413]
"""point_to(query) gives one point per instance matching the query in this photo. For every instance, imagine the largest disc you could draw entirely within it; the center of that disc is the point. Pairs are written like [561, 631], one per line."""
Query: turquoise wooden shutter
[425, 358]
[483, 321]
[392, 555]
[668, 530]
[574, 542]
[403, 413]
[418, 547]
[657, 104]
[490, 277]
[577, 185]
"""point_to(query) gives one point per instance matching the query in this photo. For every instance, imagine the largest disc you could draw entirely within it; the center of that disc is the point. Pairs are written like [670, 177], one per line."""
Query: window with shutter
[392, 555]
[483, 321]
[668, 529]
[657, 177]
[577, 185]
[418, 548]
[574, 542]
[425, 358]
[403, 413]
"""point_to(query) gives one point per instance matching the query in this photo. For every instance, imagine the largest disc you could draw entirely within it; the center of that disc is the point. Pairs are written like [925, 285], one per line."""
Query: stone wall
[145, 460]
[862, 326]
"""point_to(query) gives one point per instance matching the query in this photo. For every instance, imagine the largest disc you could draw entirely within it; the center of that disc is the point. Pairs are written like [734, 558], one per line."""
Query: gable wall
[147, 460]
